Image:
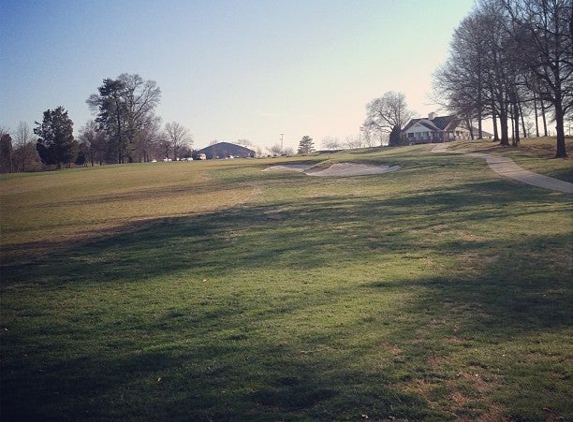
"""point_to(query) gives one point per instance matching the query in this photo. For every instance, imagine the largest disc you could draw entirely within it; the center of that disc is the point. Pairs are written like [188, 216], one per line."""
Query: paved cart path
[506, 167]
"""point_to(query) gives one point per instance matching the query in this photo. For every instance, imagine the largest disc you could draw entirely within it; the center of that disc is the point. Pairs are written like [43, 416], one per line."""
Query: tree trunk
[561, 151]
[543, 118]
[480, 99]
[503, 121]
[524, 129]
[470, 127]
[119, 137]
[495, 132]
[536, 118]
[560, 127]
[515, 141]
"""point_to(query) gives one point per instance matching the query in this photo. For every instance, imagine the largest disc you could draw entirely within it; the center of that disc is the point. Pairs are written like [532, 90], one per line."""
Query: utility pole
[282, 149]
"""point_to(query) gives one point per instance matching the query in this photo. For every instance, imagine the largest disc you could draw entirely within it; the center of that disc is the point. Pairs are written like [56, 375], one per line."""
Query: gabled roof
[436, 124]
[428, 123]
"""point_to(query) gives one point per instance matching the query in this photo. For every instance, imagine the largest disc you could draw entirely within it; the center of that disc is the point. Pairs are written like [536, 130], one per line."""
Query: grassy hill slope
[216, 291]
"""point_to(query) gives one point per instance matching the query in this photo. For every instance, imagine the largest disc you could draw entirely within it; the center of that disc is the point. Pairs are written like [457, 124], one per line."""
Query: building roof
[226, 149]
[438, 123]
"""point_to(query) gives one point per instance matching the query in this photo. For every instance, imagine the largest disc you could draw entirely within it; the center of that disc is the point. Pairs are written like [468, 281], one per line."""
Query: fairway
[217, 291]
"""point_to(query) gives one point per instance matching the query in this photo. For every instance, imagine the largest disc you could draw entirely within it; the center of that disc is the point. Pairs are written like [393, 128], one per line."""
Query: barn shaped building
[226, 150]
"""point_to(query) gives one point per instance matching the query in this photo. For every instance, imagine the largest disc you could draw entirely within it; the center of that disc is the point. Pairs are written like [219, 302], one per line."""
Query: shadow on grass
[305, 234]
[147, 339]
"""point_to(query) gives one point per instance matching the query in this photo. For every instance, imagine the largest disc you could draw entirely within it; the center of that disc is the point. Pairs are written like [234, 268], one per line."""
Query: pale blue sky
[249, 69]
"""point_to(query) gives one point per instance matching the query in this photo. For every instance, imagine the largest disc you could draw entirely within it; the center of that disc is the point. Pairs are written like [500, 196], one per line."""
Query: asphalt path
[506, 167]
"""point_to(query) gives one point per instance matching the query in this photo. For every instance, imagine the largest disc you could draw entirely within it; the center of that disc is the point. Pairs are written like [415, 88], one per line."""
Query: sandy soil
[336, 170]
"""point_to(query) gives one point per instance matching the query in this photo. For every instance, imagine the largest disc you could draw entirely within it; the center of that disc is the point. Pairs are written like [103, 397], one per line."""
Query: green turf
[216, 291]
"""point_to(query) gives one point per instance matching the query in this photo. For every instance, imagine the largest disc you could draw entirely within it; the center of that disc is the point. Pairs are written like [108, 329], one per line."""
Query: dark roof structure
[437, 123]
[226, 150]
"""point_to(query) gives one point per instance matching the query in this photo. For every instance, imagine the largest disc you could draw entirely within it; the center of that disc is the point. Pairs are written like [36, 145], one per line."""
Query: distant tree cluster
[351, 142]
[54, 144]
[18, 150]
[510, 59]
[125, 129]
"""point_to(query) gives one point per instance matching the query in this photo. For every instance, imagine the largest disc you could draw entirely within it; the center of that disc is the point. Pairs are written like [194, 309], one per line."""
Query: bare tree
[460, 82]
[276, 149]
[245, 142]
[178, 137]
[25, 156]
[370, 138]
[122, 107]
[150, 135]
[93, 143]
[387, 115]
[542, 29]
[332, 142]
[353, 142]
[23, 134]
[484, 75]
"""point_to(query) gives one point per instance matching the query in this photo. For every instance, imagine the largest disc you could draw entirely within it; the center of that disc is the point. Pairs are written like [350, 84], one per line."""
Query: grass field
[216, 291]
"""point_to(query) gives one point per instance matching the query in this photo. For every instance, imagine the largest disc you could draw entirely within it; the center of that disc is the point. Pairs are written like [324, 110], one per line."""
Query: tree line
[125, 129]
[510, 60]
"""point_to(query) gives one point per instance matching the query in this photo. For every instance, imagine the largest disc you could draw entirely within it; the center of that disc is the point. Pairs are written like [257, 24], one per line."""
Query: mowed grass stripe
[50, 209]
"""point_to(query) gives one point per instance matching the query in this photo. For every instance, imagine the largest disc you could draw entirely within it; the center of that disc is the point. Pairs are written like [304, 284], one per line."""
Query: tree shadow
[223, 361]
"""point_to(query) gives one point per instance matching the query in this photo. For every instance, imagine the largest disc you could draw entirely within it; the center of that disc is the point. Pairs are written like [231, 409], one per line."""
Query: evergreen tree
[56, 143]
[306, 145]
[395, 135]
[5, 153]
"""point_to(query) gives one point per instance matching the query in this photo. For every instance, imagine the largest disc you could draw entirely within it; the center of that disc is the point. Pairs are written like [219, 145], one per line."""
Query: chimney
[432, 115]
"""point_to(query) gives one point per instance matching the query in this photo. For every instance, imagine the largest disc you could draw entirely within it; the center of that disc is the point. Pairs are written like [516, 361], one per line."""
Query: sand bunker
[336, 170]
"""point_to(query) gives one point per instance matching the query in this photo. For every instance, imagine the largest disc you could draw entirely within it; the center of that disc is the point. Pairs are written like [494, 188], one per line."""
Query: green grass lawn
[215, 291]
[535, 154]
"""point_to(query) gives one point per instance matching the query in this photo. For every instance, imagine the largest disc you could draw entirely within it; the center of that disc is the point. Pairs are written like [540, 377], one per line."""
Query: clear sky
[228, 70]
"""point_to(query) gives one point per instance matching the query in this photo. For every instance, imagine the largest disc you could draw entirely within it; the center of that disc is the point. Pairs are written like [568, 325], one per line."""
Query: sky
[228, 70]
